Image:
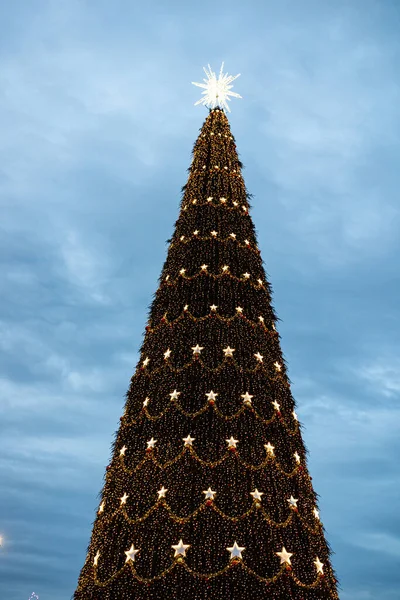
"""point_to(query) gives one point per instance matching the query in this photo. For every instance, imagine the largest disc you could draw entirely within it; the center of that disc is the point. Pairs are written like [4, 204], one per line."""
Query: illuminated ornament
[258, 357]
[214, 233]
[210, 199]
[209, 494]
[277, 366]
[101, 507]
[284, 555]
[122, 451]
[316, 513]
[246, 275]
[256, 495]
[269, 448]
[294, 416]
[182, 271]
[146, 361]
[261, 319]
[231, 442]
[246, 242]
[239, 309]
[292, 502]
[167, 354]
[197, 349]
[204, 267]
[180, 549]
[225, 268]
[182, 238]
[216, 167]
[228, 351]
[167, 277]
[297, 457]
[186, 307]
[260, 281]
[174, 395]
[188, 440]
[194, 201]
[151, 443]
[276, 405]
[233, 235]
[196, 232]
[213, 307]
[124, 498]
[223, 200]
[235, 203]
[146, 401]
[217, 91]
[236, 551]
[131, 553]
[246, 398]
[211, 396]
[319, 565]
[161, 493]
[96, 558]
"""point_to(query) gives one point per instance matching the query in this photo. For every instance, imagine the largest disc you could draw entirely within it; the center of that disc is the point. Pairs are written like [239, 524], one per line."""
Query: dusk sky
[97, 122]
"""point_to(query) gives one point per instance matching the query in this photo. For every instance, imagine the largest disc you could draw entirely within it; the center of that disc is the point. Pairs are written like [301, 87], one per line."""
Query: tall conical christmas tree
[207, 495]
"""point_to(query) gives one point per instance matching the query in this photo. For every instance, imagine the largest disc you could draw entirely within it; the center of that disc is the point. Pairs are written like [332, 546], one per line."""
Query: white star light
[130, 554]
[124, 498]
[188, 440]
[316, 513]
[122, 451]
[151, 443]
[96, 558]
[297, 457]
[258, 357]
[146, 401]
[276, 405]
[231, 442]
[319, 565]
[180, 549]
[174, 395]
[228, 351]
[213, 307]
[269, 448]
[216, 91]
[292, 502]
[197, 349]
[211, 395]
[161, 493]
[236, 551]
[257, 495]
[209, 494]
[101, 508]
[284, 555]
[246, 398]
[167, 354]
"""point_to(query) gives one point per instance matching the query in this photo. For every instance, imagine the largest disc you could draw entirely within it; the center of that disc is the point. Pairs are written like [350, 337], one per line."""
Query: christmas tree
[207, 494]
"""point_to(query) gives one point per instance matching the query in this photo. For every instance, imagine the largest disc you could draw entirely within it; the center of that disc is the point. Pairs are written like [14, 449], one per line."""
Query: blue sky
[97, 125]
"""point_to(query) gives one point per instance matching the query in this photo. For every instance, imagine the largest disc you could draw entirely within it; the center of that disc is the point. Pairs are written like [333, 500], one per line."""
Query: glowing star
[174, 395]
[316, 513]
[186, 307]
[297, 457]
[257, 495]
[209, 494]
[131, 553]
[292, 502]
[222, 199]
[236, 551]
[259, 357]
[180, 549]
[269, 448]
[96, 558]
[182, 238]
[233, 235]
[146, 401]
[211, 395]
[228, 351]
[196, 232]
[214, 233]
[182, 271]
[209, 199]
[217, 91]
[247, 242]
[225, 268]
[276, 405]
[122, 451]
[319, 565]
[124, 498]
[261, 319]
[213, 307]
[197, 349]
[204, 267]
[284, 555]
[246, 275]
[167, 354]
[277, 366]
[234, 202]
[161, 493]
[294, 416]
[151, 443]
[188, 440]
[239, 309]
[231, 442]
[246, 398]
[259, 281]
[101, 509]
[146, 361]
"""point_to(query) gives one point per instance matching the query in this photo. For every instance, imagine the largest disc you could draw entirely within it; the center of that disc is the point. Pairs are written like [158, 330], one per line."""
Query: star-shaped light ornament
[294, 415]
[101, 507]
[124, 498]
[167, 354]
[211, 395]
[122, 451]
[269, 448]
[239, 309]
[188, 440]
[197, 349]
[213, 307]
[232, 442]
[209, 494]
[180, 549]
[228, 351]
[276, 405]
[214, 233]
[161, 493]
[319, 565]
[96, 558]
[257, 495]
[146, 361]
[174, 395]
[277, 366]
[217, 91]
[131, 553]
[204, 267]
[297, 457]
[284, 555]
[246, 398]
[236, 551]
[151, 443]
[259, 357]
[292, 502]
[146, 401]
[316, 513]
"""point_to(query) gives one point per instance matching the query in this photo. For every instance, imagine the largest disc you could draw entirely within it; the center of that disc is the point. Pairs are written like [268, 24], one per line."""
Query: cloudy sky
[97, 125]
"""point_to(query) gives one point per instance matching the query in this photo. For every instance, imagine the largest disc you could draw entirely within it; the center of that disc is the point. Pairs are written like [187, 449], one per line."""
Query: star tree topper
[216, 91]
